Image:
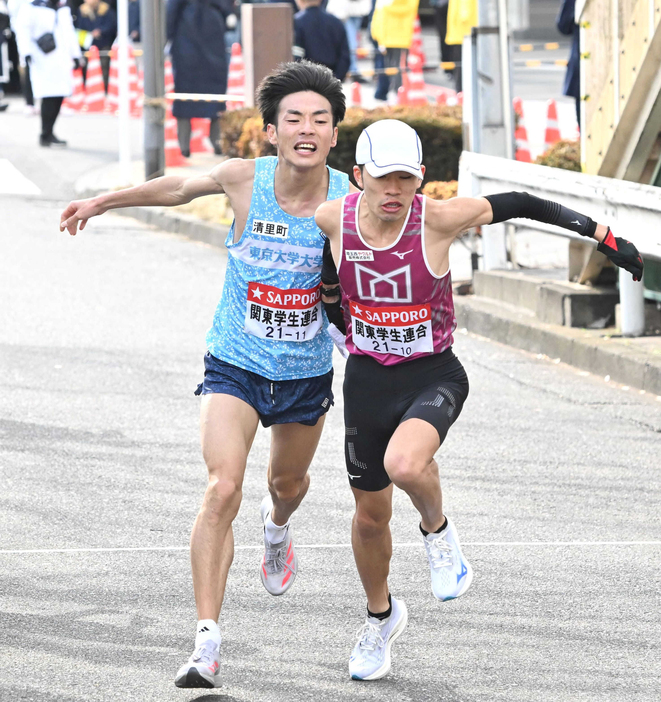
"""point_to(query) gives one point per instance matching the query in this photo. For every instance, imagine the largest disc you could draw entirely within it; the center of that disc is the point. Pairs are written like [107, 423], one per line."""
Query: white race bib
[286, 315]
[401, 331]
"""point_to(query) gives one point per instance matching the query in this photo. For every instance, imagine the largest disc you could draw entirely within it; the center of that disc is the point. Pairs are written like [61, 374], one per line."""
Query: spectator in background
[392, 29]
[449, 52]
[196, 30]
[50, 70]
[5, 33]
[97, 23]
[24, 71]
[566, 24]
[382, 80]
[233, 29]
[134, 20]
[351, 13]
[321, 37]
[462, 17]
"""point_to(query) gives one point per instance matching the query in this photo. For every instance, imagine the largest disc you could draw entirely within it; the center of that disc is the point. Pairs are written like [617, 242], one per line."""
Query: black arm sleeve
[510, 205]
[328, 269]
[329, 277]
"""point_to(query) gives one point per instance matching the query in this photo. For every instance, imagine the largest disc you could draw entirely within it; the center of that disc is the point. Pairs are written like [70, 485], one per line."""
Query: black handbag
[46, 41]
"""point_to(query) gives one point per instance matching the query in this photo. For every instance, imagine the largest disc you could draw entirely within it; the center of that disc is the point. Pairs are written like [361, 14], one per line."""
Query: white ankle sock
[273, 532]
[207, 629]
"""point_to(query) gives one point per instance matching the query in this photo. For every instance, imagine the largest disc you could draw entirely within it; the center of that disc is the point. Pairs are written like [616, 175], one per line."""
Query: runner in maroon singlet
[403, 386]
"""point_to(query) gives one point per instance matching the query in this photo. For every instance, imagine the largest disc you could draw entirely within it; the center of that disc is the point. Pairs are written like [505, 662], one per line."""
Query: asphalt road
[551, 476]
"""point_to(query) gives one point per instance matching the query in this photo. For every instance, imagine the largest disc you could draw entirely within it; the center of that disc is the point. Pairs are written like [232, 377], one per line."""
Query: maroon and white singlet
[395, 307]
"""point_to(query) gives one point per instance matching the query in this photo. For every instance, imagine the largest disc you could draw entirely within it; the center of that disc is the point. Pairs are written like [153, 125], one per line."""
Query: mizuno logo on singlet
[401, 254]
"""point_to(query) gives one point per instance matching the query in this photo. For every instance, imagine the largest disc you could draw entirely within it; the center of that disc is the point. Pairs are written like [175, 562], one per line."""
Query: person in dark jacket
[100, 20]
[97, 20]
[134, 20]
[320, 37]
[196, 29]
[566, 24]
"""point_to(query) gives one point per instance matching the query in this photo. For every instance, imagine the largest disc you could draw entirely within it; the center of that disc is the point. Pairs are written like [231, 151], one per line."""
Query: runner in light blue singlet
[269, 319]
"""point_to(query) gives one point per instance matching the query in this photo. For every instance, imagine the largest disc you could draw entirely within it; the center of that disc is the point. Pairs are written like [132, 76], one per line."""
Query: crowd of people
[325, 31]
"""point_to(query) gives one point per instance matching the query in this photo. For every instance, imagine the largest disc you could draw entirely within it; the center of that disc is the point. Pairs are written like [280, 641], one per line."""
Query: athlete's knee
[288, 488]
[371, 521]
[222, 499]
[405, 469]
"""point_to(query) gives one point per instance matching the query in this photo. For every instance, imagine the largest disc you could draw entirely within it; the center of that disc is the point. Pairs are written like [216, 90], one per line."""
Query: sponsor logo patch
[358, 255]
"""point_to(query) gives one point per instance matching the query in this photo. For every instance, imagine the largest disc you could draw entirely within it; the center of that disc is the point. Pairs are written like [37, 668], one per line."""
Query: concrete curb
[581, 348]
[178, 223]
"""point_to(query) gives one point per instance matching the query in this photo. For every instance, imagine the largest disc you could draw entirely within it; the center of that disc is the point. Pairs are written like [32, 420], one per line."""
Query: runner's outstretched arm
[462, 213]
[166, 191]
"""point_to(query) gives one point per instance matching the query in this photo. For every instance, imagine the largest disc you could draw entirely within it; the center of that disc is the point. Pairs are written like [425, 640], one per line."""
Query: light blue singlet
[269, 319]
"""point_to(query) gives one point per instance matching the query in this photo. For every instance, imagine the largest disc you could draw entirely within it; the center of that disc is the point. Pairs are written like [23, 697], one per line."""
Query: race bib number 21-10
[285, 315]
[401, 331]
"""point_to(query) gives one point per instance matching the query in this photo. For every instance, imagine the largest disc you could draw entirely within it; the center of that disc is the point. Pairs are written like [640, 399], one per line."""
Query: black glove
[76, 64]
[28, 59]
[623, 254]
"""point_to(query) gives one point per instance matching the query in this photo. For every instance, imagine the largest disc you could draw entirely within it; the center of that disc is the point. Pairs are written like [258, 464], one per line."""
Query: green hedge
[439, 128]
[563, 154]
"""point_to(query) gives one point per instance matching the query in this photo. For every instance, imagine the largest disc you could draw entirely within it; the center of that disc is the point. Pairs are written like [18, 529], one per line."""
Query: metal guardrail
[632, 209]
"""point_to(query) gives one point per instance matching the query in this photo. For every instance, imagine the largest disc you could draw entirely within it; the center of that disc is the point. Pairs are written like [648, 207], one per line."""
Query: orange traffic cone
[199, 143]
[112, 96]
[417, 97]
[442, 99]
[94, 93]
[135, 88]
[74, 102]
[521, 134]
[460, 98]
[402, 96]
[173, 155]
[236, 77]
[552, 134]
[416, 44]
[356, 97]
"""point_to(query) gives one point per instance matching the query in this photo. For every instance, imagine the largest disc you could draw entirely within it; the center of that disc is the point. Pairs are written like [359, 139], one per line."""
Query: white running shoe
[279, 563]
[203, 667]
[451, 573]
[370, 658]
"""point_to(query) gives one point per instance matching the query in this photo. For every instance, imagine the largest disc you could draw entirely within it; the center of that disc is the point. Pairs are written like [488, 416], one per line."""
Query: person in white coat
[51, 58]
[351, 12]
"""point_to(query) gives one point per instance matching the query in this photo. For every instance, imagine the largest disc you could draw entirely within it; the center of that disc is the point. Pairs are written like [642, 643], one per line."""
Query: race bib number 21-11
[285, 315]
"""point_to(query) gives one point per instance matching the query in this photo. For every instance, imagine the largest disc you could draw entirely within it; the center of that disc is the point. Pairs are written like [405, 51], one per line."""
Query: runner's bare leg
[228, 426]
[292, 450]
[410, 464]
[372, 544]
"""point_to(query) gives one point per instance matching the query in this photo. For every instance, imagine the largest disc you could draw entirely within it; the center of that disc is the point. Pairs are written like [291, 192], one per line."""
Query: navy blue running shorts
[276, 401]
[377, 399]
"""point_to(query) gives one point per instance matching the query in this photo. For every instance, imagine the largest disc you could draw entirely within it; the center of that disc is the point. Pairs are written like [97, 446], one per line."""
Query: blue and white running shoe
[370, 658]
[451, 573]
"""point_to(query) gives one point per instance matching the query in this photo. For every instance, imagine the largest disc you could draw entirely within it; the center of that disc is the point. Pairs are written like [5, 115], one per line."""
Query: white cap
[387, 146]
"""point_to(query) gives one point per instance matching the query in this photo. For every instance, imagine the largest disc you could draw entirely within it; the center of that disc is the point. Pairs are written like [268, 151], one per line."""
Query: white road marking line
[256, 547]
[13, 182]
